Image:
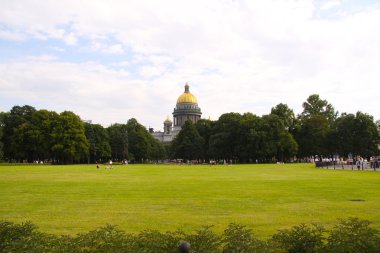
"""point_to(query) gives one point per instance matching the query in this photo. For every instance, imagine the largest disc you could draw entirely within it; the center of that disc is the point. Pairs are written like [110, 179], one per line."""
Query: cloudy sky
[109, 61]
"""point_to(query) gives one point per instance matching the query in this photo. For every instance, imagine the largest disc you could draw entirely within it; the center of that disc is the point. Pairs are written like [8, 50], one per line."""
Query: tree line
[27, 134]
[280, 136]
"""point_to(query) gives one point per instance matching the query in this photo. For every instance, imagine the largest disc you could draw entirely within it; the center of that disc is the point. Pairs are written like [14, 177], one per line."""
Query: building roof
[187, 97]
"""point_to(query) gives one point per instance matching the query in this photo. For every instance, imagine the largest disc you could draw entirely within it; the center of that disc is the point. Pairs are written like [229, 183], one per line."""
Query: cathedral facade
[186, 109]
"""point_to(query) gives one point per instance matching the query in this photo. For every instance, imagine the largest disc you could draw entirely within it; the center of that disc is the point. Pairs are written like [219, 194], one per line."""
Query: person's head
[184, 247]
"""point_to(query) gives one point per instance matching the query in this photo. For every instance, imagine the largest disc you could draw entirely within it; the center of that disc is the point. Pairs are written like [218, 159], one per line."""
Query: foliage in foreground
[350, 236]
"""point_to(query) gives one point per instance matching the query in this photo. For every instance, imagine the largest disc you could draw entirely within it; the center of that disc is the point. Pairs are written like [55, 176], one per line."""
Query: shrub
[237, 238]
[105, 239]
[24, 238]
[204, 241]
[154, 241]
[300, 239]
[14, 236]
[349, 236]
[353, 235]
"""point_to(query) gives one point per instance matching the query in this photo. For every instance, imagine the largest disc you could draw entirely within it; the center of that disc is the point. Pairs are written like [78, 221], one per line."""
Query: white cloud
[41, 58]
[151, 71]
[58, 49]
[236, 55]
[330, 4]
[70, 39]
[106, 48]
[89, 89]
[11, 35]
[115, 49]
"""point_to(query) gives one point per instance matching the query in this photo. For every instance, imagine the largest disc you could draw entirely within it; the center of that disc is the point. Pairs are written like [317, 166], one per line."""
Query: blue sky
[109, 61]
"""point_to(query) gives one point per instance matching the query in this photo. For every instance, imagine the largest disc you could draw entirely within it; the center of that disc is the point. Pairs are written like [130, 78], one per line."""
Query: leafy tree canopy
[188, 143]
[315, 106]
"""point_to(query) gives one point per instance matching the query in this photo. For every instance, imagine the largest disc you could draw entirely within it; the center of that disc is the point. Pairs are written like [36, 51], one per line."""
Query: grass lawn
[79, 198]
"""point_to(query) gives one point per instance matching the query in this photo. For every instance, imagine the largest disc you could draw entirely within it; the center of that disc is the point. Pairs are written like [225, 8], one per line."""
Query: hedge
[350, 235]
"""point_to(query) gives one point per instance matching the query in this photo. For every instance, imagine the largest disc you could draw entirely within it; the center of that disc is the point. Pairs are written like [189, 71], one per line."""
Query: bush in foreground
[351, 235]
[299, 239]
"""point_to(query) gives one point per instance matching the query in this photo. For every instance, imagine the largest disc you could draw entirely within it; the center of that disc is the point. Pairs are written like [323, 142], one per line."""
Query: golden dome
[167, 119]
[187, 97]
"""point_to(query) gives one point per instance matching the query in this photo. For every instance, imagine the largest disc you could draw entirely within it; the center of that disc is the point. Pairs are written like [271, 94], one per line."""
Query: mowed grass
[79, 198]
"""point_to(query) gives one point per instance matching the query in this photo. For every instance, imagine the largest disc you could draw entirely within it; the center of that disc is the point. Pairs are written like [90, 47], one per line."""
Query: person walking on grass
[358, 163]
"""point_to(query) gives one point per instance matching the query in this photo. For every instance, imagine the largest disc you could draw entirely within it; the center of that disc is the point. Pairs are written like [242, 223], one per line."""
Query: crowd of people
[362, 162]
[358, 162]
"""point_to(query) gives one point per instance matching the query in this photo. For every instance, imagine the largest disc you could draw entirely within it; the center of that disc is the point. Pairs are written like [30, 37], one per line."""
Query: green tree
[224, 143]
[217, 146]
[2, 116]
[316, 124]
[12, 120]
[33, 136]
[139, 146]
[98, 139]
[188, 144]
[313, 135]
[343, 135]
[138, 141]
[205, 128]
[69, 140]
[288, 146]
[368, 138]
[314, 106]
[356, 134]
[142, 145]
[118, 141]
[42, 123]
[250, 138]
[277, 141]
[157, 151]
[285, 114]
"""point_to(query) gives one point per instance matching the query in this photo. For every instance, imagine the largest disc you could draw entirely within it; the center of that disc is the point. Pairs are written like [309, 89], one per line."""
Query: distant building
[186, 109]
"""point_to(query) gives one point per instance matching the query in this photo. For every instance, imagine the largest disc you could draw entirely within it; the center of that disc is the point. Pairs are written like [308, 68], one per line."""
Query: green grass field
[79, 198]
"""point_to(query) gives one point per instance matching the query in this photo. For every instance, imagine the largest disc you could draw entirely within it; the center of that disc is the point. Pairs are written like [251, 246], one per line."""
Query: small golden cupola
[167, 120]
[168, 126]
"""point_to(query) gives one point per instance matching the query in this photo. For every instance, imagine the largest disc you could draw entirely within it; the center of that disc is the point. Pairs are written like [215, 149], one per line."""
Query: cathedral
[186, 109]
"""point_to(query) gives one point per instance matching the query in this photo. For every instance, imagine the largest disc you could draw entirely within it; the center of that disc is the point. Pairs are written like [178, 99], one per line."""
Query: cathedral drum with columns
[186, 109]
